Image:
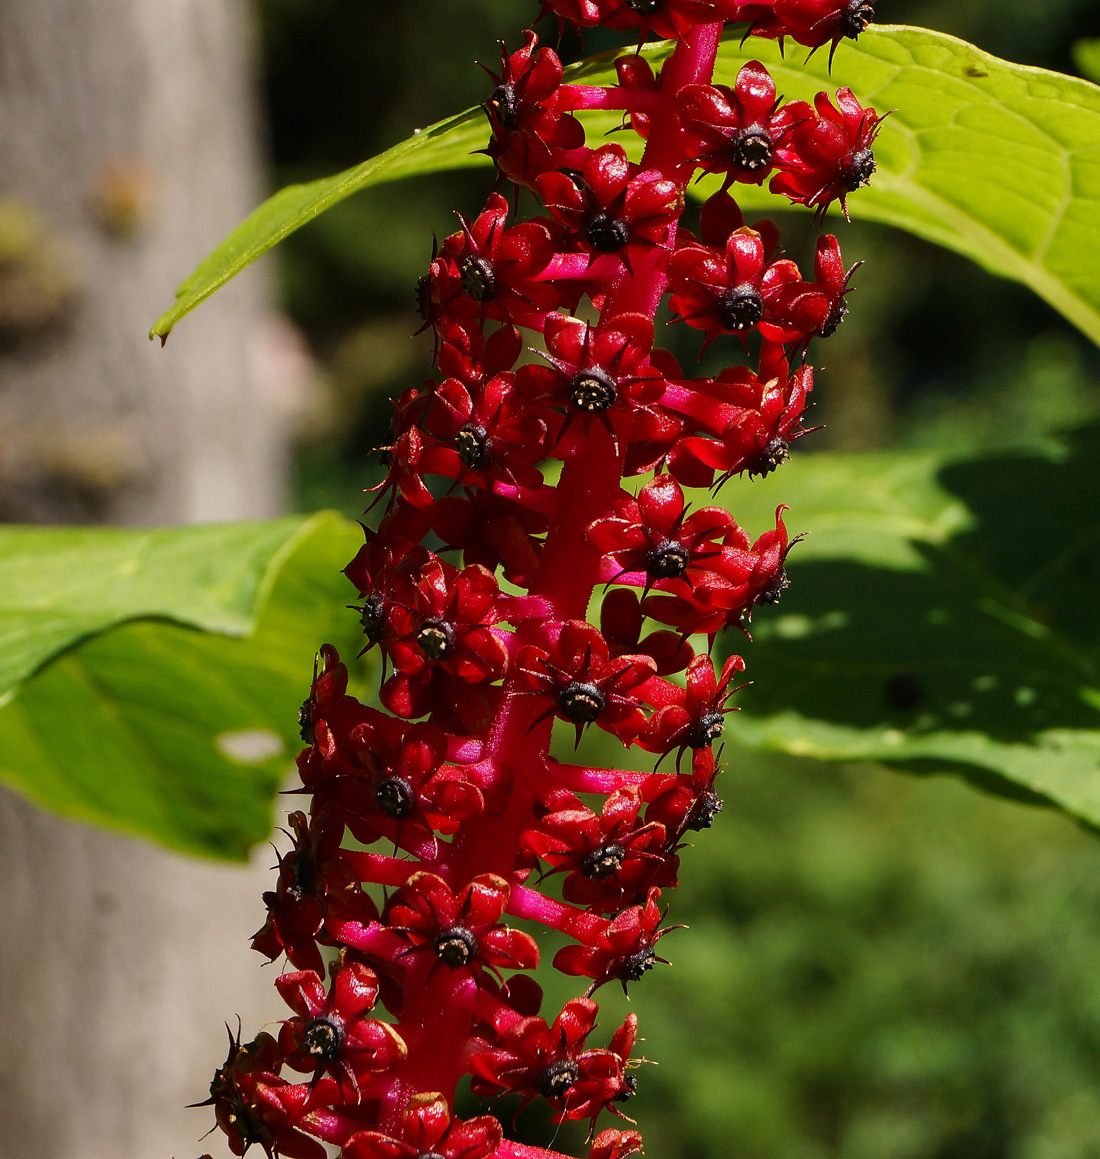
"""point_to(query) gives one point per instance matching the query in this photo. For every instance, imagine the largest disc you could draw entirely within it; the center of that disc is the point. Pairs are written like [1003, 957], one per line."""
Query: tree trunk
[127, 149]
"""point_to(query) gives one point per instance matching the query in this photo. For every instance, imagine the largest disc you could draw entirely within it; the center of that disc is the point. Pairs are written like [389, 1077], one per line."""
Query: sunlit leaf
[939, 616]
[174, 733]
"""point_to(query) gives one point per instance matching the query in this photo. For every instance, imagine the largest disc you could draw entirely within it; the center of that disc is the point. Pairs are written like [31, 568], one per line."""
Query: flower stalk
[404, 976]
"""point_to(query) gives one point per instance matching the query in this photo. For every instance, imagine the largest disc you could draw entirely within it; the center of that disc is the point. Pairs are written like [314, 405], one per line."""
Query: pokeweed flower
[518, 492]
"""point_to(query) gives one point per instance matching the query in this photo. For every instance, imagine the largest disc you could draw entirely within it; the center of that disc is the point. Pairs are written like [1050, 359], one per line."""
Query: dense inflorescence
[400, 991]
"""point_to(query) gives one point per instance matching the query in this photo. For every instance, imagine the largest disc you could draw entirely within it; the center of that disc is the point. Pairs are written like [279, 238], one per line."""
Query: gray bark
[127, 149]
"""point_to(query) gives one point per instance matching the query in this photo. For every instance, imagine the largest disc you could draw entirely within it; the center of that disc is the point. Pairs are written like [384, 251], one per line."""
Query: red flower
[612, 205]
[612, 1144]
[648, 540]
[448, 621]
[532, 1059]
[621, 622]
[462, 929]
[623, 949]
[611, 858]
[429, 1129]
[755, 416]
[741, 577]
[494, 437]
[495, 268]
[810, 22]
[406, 788]
[698, 722]
[597, 373]
[531, 133]
[740, 128]
[685, 803]
[829, 155]
[665, 18]
[332, 1032]
[252, 1105]
[584, 682]
[311, 876]
[833, 280]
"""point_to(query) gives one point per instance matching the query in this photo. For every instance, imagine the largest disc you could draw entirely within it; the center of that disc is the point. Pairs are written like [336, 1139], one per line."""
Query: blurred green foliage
[877, 967]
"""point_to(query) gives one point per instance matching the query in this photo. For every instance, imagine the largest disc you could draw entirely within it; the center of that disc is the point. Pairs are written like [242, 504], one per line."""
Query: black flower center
[592, 391]
[752, 149]
[855, 18]
[630, 1089]
[505, 106]
[395, 797]
[858, 170]
[436, 639]
[455, 947]
[373, 617]
[581, 703]
[741, 307]
[323, 1039]
[606, 233]
[603, 862]
[305, 722]
[778, 585]
[474, 446]
[704, 811]
[637, 964]
[644, 7]
[554, 1080]
[707, 729]
[770, 455]
[479, 279]
[833, 319]
[668, 560]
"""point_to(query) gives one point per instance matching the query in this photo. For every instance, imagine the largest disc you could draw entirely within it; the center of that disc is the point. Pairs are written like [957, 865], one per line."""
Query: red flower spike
[463, 930]
[429, 1129]
[481, 637]
[829, 155]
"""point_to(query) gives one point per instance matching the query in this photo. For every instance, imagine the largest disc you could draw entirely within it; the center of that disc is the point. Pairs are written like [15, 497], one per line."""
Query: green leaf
[994, 160]
[60, 585]
[180, 735]
[939, 616]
